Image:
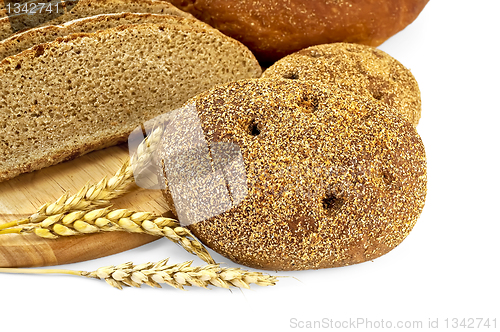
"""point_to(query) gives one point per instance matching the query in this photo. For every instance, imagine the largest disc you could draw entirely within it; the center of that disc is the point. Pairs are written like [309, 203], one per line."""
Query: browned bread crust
[333, 179]
[273, 29]
[359, 69]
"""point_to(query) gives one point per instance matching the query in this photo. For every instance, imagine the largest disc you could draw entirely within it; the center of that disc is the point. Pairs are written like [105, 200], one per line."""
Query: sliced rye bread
[88, 91]
[72, 10]
[27, 39]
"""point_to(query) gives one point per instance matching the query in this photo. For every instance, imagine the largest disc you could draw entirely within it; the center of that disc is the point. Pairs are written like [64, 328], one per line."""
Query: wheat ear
[107, 220]
[99, 194]
[175, 275]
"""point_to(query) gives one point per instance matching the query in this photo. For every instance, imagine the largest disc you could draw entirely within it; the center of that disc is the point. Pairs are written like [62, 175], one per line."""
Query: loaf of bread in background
[88, 91]
[32, 37]
[331, 178]
[273, 29]
[359, 69]
[72, 10]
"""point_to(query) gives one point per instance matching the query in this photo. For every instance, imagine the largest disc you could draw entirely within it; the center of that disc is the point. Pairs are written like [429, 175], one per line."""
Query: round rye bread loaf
[332, 179]
[359, 69]
[273, 29]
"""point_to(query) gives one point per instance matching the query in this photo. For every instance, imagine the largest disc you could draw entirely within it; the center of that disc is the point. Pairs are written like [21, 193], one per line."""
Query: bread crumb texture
[333, 178]
[359, 69]
[88, 91]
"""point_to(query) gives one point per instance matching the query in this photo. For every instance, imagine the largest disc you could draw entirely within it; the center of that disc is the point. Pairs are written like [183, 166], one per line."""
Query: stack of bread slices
[84, 79]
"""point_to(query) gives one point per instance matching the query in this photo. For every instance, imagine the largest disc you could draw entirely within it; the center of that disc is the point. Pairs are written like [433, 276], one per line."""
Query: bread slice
[87, 91]
[71, 10]
[22, 41]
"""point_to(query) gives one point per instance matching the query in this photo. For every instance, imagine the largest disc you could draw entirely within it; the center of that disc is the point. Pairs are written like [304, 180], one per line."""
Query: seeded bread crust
[72, 10]
[333, 179]
[274, 29]
[359, 69]
[88, 91]
[32, 37]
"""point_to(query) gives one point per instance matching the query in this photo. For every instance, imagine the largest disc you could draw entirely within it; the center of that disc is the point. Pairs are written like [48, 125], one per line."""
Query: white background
[446, 268]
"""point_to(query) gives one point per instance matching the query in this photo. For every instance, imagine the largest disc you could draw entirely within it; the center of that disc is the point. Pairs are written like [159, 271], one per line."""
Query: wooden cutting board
[22, 196]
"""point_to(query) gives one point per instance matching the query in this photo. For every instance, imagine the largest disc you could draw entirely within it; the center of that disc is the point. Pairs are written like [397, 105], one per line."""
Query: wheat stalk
[175, 275]
[99, 194]
[108, 220]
